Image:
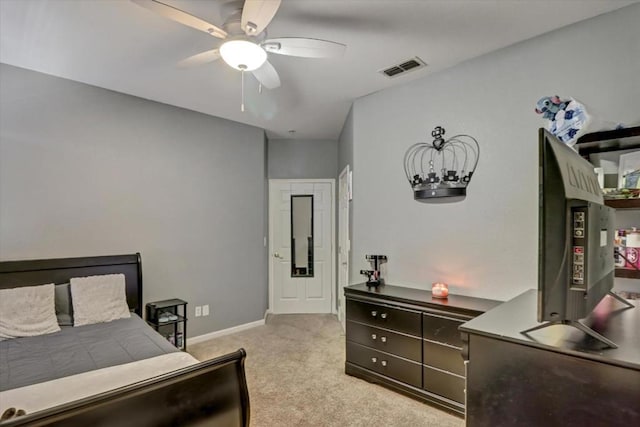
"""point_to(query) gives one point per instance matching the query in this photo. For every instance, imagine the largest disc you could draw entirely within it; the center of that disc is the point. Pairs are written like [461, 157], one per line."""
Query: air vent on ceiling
[411, 64]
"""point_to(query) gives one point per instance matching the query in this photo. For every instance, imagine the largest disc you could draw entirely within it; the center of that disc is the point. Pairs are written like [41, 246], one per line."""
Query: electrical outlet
[205, 310]
[198, 310]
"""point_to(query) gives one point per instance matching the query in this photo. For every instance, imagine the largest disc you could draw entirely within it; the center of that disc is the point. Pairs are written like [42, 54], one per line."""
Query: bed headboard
[14, 274]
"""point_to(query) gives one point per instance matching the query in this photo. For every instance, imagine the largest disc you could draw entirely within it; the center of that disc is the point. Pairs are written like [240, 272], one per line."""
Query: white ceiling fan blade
[306, 48]
[256, 15]
[200, 58]
[267, 76]
[181, 17]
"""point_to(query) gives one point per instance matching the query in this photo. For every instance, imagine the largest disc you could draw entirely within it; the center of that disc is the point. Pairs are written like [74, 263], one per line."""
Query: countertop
[507, 320]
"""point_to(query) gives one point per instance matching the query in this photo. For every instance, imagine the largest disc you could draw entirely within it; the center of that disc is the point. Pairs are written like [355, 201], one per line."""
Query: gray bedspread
[73, 350]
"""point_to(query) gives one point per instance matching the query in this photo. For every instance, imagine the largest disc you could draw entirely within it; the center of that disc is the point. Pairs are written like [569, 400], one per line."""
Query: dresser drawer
[444, 384]
[443, 357]
[442, 329]
[400, 320]
[405, 346]
[393, 367]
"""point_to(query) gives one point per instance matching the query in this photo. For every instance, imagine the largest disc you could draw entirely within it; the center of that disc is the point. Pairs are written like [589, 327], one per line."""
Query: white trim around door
[280, 191]
[344, 244]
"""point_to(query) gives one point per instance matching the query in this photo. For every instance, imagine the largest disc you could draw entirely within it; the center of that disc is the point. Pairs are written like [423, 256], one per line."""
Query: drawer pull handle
[383, 339]
[383, 315]
[383, 363]
[374, 336]
[374, 313]
[374, 360]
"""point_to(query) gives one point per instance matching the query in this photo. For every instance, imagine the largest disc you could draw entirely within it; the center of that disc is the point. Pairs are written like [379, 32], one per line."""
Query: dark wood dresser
[408, 341]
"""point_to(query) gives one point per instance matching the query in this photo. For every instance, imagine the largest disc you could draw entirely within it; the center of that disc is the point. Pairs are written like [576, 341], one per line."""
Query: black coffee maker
[373, 276]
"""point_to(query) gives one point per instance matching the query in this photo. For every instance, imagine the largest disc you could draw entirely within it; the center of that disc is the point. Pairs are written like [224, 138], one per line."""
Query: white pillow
[98, 299]
[27, 311]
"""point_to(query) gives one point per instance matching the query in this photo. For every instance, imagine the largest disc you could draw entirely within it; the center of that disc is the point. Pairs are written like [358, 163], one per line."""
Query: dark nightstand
[169, 318]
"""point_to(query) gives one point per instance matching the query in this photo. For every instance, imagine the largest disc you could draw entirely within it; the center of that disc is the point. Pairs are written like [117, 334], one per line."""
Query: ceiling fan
[245, 44]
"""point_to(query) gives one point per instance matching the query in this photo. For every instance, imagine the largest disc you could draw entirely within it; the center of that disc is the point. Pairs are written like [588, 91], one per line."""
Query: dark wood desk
[553, 377]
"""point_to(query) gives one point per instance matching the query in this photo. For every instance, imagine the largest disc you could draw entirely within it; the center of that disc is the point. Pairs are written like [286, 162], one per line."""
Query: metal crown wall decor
[441, 171]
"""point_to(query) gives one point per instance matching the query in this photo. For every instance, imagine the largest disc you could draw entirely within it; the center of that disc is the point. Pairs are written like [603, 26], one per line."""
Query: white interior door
[290, 294]
[344, 244]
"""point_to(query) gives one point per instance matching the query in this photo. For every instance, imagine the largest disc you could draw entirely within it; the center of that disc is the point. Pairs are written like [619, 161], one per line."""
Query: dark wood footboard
[211, 393]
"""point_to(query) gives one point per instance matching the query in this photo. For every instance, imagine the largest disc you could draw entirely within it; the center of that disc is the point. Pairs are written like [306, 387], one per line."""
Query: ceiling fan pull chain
[242, 102]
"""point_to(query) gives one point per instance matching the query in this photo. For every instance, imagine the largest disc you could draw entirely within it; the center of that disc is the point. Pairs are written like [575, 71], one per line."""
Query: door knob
[277, 255]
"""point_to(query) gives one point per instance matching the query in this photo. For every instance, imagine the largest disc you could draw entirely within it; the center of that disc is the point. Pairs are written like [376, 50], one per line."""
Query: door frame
[344, 175]
[333, 255]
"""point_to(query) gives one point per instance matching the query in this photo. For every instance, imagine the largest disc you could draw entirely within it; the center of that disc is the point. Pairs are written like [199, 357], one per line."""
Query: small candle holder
[439, 290]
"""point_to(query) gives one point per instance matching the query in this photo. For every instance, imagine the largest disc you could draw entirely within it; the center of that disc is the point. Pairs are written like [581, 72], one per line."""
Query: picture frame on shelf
[629, 170]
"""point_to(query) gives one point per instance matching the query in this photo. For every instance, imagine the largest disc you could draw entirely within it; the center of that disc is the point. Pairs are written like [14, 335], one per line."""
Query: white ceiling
[118, 45]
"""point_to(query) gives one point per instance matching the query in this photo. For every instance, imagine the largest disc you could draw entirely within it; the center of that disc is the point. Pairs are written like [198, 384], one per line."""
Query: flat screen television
[575, 241]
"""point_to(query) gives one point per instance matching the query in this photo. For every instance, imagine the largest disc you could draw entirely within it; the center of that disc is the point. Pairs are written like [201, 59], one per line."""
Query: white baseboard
[223, 332]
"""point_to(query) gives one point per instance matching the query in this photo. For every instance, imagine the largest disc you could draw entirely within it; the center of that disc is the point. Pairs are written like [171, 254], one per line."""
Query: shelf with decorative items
[626, 141]
[627, 254]
[623, 203]
[626, 195]
[609, 140]
[628, 273]
[169, 319]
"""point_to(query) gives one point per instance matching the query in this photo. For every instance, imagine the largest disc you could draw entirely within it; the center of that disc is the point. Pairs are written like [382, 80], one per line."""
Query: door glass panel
[302, 235]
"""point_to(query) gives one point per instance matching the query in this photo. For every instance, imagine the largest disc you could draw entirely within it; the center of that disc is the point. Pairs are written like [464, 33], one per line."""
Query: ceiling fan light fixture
[243, 54]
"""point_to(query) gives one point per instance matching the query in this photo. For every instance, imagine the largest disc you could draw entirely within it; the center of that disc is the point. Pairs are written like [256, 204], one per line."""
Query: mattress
[74, 350]
[37, 397]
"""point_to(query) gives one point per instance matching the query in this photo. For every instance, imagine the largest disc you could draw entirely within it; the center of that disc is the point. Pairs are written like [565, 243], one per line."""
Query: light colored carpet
[295, 373]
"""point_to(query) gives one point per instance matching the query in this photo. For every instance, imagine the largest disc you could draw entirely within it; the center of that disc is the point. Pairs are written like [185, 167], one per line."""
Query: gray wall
[86, 171]
[486, 245]
[345, 143]
[345, 157]
[302, 158]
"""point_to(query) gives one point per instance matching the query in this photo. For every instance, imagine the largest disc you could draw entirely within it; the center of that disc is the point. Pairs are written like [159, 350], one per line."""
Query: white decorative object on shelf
[629, 170]
[568, 119]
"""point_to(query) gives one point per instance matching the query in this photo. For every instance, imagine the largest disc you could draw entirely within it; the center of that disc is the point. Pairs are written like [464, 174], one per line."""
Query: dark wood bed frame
[210, 393]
